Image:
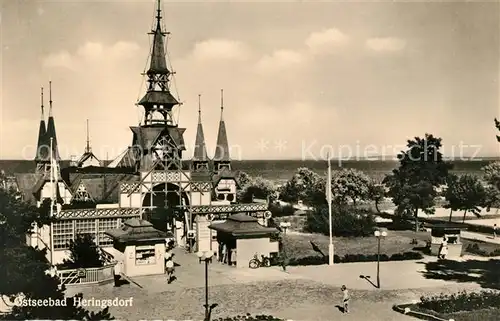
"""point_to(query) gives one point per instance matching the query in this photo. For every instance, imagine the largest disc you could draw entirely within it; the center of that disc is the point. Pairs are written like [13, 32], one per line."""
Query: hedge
[352, 258]
[482, 305]
[461, 301]
[475, 249]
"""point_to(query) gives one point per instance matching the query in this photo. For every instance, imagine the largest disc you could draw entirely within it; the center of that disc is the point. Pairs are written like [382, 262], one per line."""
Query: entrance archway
[155, 211]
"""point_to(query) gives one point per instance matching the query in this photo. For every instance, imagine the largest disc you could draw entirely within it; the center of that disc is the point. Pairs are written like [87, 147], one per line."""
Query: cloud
[388, 44]
[222, 49]
[279, 59]
[92, 52]
[60, 59]
[320, 42]
[326, 40]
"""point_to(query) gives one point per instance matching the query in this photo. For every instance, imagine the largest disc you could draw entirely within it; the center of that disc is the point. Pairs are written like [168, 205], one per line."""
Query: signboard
[144, 247]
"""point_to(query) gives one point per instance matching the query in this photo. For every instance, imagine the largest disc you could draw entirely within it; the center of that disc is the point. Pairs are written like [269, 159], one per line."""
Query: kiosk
[139, 248]
[244, 237]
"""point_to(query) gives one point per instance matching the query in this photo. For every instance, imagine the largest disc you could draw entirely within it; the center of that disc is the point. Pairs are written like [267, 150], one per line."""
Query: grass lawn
[298, 244]
[477, 315]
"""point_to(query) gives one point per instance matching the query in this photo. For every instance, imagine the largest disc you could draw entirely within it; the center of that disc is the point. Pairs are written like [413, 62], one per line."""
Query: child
[169, 267]
[346, 298]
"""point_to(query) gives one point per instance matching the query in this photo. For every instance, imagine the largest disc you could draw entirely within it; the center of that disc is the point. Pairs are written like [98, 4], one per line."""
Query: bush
[475, 249]
[352, 258]
[84, 253]
[279, 211]
[461, 301]
[249, 317]
[347, 221]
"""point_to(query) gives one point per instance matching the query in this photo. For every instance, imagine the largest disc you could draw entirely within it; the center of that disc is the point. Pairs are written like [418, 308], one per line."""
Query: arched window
[230, 197]
[220, 197]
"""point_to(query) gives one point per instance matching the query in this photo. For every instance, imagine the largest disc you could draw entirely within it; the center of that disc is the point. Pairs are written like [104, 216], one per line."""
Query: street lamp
[206, 256]
[379, 234]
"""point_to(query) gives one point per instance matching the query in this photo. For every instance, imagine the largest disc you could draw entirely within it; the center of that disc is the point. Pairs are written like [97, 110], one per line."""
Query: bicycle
[256, 263]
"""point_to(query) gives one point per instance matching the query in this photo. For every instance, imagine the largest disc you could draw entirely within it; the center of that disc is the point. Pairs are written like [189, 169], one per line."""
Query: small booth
[244, 237]
[138, 248]
[448, 233]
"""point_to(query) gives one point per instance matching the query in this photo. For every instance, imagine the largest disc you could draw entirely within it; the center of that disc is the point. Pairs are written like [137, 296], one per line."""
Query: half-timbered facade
[148, 177]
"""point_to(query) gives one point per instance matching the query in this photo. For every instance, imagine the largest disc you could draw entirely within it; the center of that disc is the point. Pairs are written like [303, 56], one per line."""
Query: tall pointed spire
[158, 100]
[41, 152]
[51, 126]
[87, 147]
[158, 63]
[222, 147]
[200, 149]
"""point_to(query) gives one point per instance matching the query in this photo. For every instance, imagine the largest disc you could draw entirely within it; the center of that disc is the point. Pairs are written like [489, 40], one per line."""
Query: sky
[301, 79]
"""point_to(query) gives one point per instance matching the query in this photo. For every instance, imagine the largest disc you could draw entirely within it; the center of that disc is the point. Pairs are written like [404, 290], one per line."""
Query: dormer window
[224, 186]
[223, 166]
[201, 166]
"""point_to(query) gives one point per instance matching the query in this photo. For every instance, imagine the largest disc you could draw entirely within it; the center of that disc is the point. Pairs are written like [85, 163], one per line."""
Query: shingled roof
[241, 225]
[102, 188]
[25, 183]
[137, 230]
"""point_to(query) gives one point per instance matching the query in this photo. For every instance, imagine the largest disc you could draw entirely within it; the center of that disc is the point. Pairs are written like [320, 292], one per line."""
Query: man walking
[495, 231]
[345, 298]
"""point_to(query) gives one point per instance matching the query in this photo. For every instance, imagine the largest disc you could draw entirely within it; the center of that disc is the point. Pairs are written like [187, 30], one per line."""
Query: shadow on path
[484, 273]
[341, 309]
[367, 278]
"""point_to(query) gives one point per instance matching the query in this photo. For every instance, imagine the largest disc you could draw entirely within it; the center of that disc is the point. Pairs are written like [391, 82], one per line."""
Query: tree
[491, 175]
[376, 193]
[421, 170]
[347, 221]
[258, 188]
[23, 269]
[84, 253]
[350, 185]
[465, 193]
[243, 178]
[302, 186]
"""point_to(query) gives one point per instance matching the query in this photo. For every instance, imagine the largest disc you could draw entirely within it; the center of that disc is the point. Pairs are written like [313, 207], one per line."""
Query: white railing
[96, 275]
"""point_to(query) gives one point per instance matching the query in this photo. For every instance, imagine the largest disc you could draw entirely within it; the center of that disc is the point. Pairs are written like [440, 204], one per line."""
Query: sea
[282, 170]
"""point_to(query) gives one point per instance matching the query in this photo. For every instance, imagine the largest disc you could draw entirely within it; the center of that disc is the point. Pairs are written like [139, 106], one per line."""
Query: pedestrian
[169, 266]
[443, 252]
[224, 253]
[233, 257]
[345, 298]
[117, 270]
[495, 231]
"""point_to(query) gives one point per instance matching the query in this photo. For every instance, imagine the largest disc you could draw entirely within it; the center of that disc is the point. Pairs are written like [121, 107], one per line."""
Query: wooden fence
[96, 275]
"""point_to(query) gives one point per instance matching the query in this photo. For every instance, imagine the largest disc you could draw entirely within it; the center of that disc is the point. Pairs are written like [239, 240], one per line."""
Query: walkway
[480, 237]
[304, 293]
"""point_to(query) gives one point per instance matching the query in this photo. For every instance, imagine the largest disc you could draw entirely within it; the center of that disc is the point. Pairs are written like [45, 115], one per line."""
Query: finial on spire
[87, 148]
[158, 15]
[221, 103]
[41, 98]
[50, 97]
[199, 108]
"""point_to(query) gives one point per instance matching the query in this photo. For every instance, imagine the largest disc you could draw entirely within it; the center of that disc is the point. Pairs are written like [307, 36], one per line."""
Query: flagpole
[52, 200]
[329, 200]
[51, 179]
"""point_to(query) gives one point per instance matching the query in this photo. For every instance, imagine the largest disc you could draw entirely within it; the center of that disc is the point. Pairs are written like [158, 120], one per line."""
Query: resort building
[149, 181]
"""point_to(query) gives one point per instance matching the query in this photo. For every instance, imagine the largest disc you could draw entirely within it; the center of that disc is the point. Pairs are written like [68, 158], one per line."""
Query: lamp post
[206, 256]
[379, 234]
